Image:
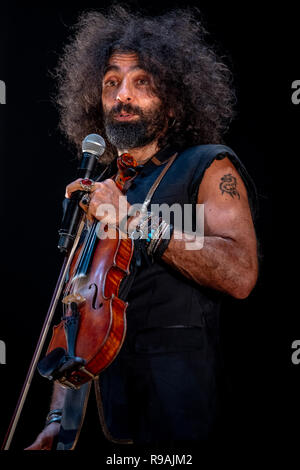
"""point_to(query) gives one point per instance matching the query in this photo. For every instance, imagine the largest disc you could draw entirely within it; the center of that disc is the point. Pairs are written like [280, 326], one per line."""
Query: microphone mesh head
[93, 143]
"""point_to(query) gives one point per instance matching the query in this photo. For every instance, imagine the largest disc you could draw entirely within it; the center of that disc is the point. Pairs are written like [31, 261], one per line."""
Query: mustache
[126, 108]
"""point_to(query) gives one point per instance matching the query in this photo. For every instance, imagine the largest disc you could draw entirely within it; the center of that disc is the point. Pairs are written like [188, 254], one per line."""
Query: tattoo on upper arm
[228, 185]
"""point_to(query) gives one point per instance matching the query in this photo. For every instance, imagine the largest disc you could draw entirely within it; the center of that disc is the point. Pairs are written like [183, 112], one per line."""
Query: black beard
[133, 134]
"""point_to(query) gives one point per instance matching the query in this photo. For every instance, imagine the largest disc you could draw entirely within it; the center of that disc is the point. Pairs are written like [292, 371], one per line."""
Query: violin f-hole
[95, 297]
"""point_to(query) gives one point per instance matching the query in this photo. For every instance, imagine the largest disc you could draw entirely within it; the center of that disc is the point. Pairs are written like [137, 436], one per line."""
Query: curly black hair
[189, 76]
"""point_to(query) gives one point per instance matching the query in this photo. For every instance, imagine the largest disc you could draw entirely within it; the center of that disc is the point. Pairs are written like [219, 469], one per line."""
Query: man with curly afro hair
[153, 87]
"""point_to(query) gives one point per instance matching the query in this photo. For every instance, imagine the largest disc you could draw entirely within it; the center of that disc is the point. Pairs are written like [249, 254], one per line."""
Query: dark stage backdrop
[36, 164]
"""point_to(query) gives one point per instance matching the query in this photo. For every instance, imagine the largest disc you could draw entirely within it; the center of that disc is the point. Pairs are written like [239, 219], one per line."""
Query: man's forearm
[58, 397]
[221, 264]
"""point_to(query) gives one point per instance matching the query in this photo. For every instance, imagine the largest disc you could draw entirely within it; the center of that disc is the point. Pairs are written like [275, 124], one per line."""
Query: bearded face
[126, 133]
[134, 116]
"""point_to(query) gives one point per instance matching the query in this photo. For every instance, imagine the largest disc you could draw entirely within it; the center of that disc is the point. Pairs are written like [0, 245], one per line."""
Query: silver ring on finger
[86, 199]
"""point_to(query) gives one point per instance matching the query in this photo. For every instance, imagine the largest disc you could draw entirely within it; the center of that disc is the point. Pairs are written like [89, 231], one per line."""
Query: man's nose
[124, 93]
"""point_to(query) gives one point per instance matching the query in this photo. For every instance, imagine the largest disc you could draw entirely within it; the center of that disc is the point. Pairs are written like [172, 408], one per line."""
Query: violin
[93, 326]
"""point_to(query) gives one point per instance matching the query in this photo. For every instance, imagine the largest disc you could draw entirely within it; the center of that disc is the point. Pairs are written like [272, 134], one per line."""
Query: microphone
[93, 146]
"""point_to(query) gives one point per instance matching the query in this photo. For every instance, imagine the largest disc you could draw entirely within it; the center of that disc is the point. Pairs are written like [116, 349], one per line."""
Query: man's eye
[111, 83]
[143, 81]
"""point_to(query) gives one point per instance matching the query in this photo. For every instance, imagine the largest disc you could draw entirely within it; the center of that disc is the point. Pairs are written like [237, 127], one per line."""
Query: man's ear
[171, 118]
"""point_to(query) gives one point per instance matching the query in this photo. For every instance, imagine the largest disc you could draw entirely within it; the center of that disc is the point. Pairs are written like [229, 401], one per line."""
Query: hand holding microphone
[93, 146]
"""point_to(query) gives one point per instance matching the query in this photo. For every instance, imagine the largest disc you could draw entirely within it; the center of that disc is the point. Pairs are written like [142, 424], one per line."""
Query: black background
[36, 165]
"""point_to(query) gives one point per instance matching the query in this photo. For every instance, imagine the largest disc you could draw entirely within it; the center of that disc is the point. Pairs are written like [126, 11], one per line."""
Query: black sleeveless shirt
[163, 385]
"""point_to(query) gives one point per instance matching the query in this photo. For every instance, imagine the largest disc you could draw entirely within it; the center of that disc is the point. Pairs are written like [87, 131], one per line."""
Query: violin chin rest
[50, 363]
[57, 363]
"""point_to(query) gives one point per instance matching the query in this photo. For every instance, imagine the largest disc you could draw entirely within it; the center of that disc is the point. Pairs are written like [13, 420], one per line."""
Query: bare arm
[228, 259]
[44, 440]
[58, 397]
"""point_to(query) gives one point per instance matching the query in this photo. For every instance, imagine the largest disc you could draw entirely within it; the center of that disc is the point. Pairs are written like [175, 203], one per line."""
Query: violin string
[87, 251]
[70, 284]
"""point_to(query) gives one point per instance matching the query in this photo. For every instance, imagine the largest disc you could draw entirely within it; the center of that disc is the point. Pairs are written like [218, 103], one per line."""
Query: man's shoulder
[203, 154]
[207, 149]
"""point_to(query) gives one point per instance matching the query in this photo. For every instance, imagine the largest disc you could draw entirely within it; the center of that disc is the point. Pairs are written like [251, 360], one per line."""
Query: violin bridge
[74, 297]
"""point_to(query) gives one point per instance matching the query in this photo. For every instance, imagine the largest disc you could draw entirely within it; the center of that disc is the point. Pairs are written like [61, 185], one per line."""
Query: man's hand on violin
[102, 200]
